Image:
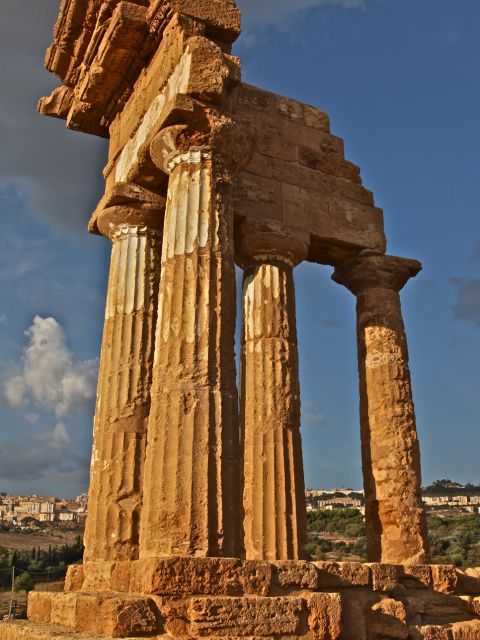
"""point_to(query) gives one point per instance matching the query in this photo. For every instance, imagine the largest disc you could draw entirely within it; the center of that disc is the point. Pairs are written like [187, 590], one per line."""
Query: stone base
[227, 598]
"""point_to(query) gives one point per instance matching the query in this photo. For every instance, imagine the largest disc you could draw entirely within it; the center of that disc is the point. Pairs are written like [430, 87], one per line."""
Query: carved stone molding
[370, 270]
[267, 242]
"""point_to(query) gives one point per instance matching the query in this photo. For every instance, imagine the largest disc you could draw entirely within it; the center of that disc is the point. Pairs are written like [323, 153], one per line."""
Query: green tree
[23, 582]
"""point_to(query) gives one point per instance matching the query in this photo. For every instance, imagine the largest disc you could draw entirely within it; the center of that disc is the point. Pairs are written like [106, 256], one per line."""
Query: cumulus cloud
[467, 306]
[14, 391]
[50, 378]
[273, 11]
[58, 438]
[51, 381]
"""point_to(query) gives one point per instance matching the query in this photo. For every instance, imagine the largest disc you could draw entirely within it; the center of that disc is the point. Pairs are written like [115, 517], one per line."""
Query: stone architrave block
[445, 578]
[417, 576]
[475, 606]
[74, 578]
[122, 577]
[88, 615]
[125, 618]
[441, 607]
[385, 577]
[222, 16]
[179, 576]
[469, 630]
[175, 615]
[329, 575]
[98, 576]
[387, 619]
[415, 606]
[295, 574]
[104, 614]
[325, 616]
[246, 616]
[342, 574]
[468, 583]
[429, 632]
[64, 609]
[39, 606]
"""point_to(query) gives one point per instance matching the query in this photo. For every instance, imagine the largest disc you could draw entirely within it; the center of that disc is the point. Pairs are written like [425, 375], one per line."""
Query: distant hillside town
[27, 511]
[442, 497]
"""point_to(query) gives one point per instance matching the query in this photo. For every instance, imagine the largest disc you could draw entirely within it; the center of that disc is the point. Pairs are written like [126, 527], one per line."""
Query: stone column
[395, 516]
[275, 526]
[191, 490]
[123, 398]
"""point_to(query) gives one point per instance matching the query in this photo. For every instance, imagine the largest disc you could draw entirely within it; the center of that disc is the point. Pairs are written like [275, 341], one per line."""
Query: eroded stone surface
[192, 481]
[225, 597]
[123, 396]
[246, 616]
[395, 515]
[430, 632]
[275, 526]
[325, 616]
[445, 578]
[113, 615]
[387, 619]
[466, 630]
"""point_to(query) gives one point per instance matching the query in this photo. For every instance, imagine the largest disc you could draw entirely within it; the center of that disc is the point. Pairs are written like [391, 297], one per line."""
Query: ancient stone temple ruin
[197, 521]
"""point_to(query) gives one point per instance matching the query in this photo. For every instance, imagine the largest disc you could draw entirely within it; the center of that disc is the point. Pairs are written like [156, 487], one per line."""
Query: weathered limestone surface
[273, 486]
[227, 598]
[101, 48]
[298, 174]
[192, 485]
[299, 177]
[123, 398]
[395, 516]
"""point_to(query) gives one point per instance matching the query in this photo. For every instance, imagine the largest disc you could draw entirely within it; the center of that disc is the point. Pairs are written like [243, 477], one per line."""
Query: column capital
[123, 231]
[224, 139]
[127, 206]
[371, 270]
[257, 242]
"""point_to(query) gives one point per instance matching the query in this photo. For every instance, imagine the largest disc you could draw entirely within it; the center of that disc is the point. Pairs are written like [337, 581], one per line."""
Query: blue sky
[401, 82]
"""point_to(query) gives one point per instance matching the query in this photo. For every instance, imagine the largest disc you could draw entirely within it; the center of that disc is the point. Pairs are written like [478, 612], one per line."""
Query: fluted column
[395, 516]
[273, 483]
[123, 397]
[191, 488]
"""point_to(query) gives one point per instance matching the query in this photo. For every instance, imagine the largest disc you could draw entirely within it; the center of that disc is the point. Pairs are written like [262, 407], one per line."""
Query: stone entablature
[297, 175]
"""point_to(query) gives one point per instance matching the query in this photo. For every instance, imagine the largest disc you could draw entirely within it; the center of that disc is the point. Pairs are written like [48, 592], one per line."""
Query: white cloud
[57, 438]
[311, 415]
[14, 391]
[50, 378]
[274, 11]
